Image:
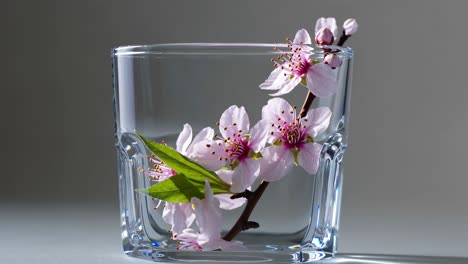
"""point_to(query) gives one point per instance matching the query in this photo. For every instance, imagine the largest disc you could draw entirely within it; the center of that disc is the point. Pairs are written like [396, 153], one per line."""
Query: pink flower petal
[244, 175]
[258, 135]
[208, 219]
[175, 216]
[210, 154]
[321, 80]
[309, 157]
[168, 211]
[208, 214]
[188, 213]
[223, 245]
[276, 112]
[275, 80]
[233, 120]
[277, 161]
[302, 37]
[231, 246]
[178, 215]
[184, 139]
[208, 243]
[278, 108]
[288, 85]
[226, 203]
[225, 175]
[281, 80]
[188, 239]
[318, 120]
[205, 134]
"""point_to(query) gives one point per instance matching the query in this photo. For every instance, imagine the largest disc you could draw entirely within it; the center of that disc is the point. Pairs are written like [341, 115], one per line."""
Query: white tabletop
[90, 234]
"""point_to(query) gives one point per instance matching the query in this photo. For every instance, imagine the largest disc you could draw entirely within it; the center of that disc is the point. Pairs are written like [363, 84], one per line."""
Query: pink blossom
[350, 26]
[295, 67]
[181, 215]
[291, 138]
[209, 222]
[184, 145]
[159, 171]
[234, 148]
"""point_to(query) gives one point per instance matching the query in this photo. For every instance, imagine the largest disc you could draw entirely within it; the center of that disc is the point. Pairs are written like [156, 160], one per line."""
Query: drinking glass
[159, 88]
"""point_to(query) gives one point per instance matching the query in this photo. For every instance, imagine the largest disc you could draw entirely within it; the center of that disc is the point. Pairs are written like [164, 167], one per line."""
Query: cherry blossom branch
[310, 96]
[307, 103]
[243, 222]
[245, 194]
[342, 39]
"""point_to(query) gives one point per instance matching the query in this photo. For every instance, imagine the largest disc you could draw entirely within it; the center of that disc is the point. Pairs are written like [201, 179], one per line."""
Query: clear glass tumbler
[159, 88]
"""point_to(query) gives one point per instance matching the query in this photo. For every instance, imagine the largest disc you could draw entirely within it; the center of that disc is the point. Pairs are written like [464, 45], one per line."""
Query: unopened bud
[329, 22]
[350, 26]
[324, 37]
[332, 60]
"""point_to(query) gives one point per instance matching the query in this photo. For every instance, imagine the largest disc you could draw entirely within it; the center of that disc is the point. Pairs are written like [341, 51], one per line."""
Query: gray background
[405, 180]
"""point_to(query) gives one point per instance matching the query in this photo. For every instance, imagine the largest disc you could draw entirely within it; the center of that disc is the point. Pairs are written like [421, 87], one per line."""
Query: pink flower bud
[324, 37]
[332, 60]
[329, 22]
[350, 26]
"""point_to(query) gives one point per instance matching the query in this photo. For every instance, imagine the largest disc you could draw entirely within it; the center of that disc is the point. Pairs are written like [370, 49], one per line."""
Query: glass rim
[223, 49]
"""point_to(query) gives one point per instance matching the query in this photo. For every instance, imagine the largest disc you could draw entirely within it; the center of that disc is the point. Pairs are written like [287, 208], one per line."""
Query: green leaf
[176, 189]
[193, 173]
[179, 189]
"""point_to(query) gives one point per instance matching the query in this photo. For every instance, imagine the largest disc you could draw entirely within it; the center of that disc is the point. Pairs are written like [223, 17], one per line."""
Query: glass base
[260, 254]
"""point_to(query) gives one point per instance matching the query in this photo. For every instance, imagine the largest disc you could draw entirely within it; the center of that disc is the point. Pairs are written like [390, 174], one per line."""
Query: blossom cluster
[241, 154]
[295, 66]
